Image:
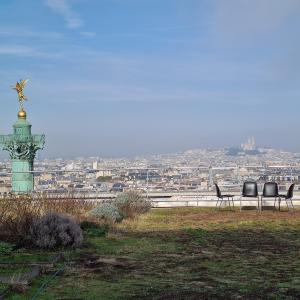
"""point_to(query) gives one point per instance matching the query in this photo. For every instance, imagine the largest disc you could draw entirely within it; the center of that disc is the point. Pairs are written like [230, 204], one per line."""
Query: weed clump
[132, 203]
[94, 230]
[55, 230]
[6, 248]
[106, 212]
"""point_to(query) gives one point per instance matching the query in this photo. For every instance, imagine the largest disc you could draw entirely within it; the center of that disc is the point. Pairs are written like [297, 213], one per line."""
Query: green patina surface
[22, 147]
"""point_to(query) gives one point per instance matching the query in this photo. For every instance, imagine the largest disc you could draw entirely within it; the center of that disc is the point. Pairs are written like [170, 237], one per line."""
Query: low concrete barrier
[210, 201]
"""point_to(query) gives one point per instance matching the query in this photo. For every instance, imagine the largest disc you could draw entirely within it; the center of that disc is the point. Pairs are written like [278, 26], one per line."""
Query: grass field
[183, 253]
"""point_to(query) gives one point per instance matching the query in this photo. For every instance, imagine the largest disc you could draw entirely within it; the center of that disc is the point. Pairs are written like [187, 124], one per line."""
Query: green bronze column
[22, 147]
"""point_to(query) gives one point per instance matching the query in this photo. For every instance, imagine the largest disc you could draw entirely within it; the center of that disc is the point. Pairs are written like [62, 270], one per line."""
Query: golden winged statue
[19, 87]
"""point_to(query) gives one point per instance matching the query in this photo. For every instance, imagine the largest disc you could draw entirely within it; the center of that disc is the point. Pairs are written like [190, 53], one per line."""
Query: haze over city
[158, 154]
[123, 78]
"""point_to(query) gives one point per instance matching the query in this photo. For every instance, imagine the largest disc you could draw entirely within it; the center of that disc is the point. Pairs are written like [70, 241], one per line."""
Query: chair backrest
[270, 189]
[218, 191]
[290, 192]
[250, 189]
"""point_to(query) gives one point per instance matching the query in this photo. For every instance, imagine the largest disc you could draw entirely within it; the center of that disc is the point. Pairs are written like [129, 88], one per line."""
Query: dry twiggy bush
[55, 230]
[132, 203]
[17, 213]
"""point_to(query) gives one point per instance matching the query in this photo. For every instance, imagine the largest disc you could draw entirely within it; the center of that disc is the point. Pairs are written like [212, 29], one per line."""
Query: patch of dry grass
[179, 218]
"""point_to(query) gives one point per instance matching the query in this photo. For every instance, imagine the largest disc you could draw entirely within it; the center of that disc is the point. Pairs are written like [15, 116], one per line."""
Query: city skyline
[114, 78]
[238, 150]
[192, 171]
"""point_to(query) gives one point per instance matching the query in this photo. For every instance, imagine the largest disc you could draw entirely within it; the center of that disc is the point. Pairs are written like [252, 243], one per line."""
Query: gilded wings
[19, 87]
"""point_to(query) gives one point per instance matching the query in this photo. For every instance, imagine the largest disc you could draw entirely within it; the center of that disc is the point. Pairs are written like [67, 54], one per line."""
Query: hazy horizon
[42, 156]
[125, 78]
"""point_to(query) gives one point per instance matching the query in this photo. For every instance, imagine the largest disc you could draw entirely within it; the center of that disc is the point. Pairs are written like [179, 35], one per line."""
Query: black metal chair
[221, 198]
[287, 197]
[270, 190]
[249, 191]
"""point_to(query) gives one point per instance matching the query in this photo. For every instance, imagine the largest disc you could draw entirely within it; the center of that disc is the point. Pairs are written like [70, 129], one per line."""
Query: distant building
[70, 167]
[4, 187]
[118, 187]
[95, 165]
[104, 173]
[249, 145]
[248, 148]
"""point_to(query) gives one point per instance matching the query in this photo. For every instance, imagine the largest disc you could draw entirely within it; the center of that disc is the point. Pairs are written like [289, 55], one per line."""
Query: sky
[116, 78]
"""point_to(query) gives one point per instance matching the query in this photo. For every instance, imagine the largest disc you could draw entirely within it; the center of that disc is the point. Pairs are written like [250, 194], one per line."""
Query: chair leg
[259, 206]
[287, 205]
[279, 204]
[217, 202]
[240, 203]
[275, 203]
[221, 200]
[292, 204]
[232, 202]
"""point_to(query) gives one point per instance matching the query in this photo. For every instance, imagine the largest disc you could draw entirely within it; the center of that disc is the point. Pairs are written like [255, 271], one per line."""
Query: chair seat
[274, 196]
[283, 196]
[226, 196]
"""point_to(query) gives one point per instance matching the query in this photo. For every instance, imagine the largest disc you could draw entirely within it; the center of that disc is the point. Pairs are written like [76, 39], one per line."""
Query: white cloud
[88, 34]
[16, 50]
[11, 32]
[25, 51]
[63, 7]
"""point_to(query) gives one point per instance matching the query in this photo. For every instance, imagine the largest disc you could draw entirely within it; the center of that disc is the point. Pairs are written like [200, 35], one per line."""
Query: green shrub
[93, 229]
[107, 212]
[6, 248]
[132, 203]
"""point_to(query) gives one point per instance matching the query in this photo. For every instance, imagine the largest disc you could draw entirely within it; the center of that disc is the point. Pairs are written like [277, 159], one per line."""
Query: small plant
[107, 212]
[55, 230]
[6, 248]
[93, 229]
[132, 203]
